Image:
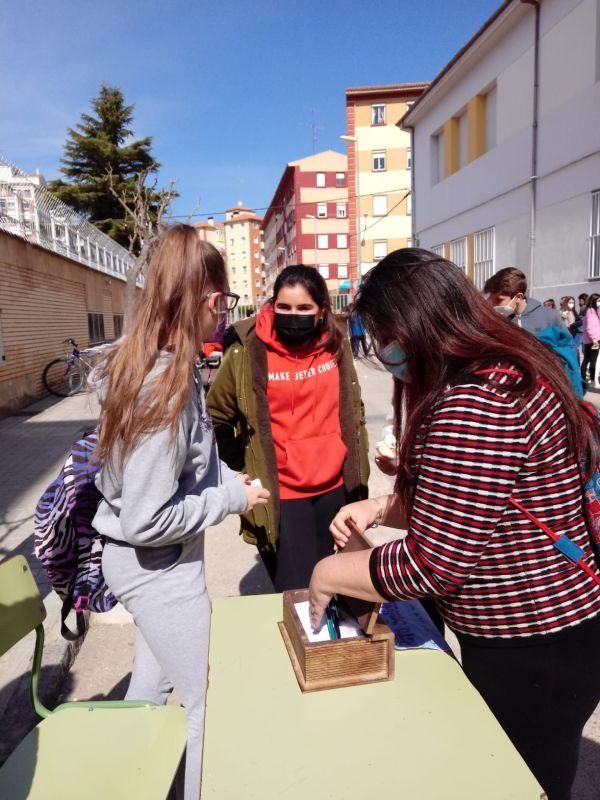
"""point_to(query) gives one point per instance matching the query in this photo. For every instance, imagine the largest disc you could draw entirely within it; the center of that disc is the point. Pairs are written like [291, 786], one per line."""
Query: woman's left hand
[318, 595]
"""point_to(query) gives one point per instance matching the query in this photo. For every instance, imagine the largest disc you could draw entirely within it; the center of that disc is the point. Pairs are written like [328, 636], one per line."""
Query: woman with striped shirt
[484, 415]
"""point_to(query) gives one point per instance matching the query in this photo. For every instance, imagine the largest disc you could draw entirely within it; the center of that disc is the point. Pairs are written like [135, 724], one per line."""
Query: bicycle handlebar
[70, 341]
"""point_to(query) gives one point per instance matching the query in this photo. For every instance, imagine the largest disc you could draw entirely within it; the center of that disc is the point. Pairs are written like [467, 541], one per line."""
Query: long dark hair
[314, 283]
[448, 330]
[591, 301]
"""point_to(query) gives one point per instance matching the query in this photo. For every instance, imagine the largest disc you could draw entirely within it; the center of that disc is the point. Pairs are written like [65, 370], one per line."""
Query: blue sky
[227, 90]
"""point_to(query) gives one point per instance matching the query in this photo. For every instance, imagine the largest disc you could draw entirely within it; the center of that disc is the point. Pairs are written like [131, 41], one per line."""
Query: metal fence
[28, 210]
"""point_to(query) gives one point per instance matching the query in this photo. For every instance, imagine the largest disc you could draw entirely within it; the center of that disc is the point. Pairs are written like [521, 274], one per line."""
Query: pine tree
[99, 146]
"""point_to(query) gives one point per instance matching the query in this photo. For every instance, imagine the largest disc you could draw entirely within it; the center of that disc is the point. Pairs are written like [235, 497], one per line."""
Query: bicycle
[66, 376]
[208, 366]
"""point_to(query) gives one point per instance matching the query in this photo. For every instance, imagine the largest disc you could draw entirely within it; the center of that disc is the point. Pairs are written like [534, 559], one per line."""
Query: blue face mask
[395, 357]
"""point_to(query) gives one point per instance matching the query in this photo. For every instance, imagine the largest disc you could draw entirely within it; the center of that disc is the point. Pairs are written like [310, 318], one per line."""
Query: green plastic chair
[108, 749]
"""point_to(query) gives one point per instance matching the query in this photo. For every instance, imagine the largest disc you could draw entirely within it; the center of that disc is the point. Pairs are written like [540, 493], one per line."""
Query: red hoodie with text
[303, 391]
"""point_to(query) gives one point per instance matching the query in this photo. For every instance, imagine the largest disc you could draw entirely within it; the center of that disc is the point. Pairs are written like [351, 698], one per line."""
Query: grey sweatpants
[164, 589]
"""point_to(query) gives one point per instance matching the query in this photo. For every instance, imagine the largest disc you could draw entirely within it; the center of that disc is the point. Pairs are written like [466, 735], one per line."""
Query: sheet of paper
[349, 628]
[412, 627]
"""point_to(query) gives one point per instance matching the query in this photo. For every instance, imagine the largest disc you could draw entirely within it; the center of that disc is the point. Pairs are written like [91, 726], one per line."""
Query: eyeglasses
[225, 301]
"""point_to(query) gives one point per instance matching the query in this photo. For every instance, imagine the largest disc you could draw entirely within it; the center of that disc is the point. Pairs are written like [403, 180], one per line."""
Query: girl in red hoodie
[288, 390]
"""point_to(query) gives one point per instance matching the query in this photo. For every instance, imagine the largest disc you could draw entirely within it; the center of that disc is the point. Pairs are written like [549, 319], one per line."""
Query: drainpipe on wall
[413, 222]
[534, 137]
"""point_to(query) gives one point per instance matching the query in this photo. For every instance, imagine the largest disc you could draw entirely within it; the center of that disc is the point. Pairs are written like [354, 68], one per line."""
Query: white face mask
[506, 311]
[571, 305]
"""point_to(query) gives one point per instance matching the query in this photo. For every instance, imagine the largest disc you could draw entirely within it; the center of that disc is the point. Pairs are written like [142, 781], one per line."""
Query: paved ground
[32, 448]
[33, 445]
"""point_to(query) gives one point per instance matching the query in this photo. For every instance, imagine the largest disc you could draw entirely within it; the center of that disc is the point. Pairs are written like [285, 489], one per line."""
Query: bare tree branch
[145, 208]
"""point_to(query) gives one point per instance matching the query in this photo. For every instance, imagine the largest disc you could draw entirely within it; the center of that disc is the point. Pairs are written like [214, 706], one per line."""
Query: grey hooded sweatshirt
[168, 489]
[537, 317]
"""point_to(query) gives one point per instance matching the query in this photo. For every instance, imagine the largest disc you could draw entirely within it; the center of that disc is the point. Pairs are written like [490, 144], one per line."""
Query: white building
[506, 167]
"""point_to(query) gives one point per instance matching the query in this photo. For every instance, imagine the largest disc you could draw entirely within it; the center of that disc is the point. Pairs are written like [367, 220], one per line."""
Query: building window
[437, 158]
[379, 161]
[594, 269]
[458, 253]
[409, 158]
[324, 270]
[342, 241]
[321, 210]
[96, 328]
[118, 325]
[340, 178]
[483, 256]
[462, 140]
[378, 114]
[379, 249]
[340, 210]
[322, 241]
[320, 179]
[409, 204]
[342, 270]
[231, 242]
[380, 205]
[490, 119]
[438, 249]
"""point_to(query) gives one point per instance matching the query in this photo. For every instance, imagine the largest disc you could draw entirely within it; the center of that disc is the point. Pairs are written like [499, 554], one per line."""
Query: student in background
[550, 303]
[568, 314]
[590, 337]
[507, 292]
[161, 478]
[576, 328]
[358, 334]
[286, 406]
[483, 414]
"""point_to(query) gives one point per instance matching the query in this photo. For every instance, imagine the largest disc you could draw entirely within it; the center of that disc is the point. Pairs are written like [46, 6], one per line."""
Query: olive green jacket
[237, 402]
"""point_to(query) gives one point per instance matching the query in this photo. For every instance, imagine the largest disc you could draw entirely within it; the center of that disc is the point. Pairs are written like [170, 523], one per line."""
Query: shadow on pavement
[256, 580]
[587, 782]
[19, 717]
[31, 454]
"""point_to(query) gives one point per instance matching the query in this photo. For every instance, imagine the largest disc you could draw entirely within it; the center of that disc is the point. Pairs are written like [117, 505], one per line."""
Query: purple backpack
[66, 544]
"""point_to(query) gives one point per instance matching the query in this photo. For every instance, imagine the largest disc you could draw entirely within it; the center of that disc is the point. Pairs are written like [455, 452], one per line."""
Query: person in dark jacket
[576, 329]
[286, 405]
[507, 292]
[358, 334]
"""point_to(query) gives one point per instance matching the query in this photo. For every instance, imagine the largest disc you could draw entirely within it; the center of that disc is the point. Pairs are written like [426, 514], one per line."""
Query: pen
[335, 615]
[330, 622]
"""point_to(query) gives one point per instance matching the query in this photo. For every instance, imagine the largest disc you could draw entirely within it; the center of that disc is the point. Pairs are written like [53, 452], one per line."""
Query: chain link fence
[28, 210]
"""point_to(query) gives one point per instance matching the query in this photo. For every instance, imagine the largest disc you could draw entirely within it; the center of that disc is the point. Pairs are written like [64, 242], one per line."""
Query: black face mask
[295, 329]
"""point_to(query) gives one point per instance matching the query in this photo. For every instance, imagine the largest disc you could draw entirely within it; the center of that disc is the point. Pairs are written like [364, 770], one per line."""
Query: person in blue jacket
[507, 292]
[358, 334]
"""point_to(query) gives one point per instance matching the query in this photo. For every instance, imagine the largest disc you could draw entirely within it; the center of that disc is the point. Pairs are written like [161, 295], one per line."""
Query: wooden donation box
[363, 654]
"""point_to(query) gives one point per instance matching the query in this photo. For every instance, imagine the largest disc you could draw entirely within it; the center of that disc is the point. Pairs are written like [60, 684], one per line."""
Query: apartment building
[379, 170]
[244, 253]
[506, 152]
[307, 221]
[212, 232]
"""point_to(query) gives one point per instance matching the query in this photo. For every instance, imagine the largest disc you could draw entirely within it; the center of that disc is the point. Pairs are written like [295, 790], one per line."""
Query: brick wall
[45, 298]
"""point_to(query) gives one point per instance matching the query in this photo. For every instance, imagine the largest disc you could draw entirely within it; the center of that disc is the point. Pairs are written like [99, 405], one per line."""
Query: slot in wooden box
[342, 662]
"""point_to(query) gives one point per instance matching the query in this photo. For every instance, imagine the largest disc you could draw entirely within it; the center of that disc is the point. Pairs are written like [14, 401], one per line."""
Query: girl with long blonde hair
[161, 478]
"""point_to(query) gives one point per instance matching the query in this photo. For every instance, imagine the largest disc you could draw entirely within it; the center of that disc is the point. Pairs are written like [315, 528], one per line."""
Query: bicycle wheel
[63, 377]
